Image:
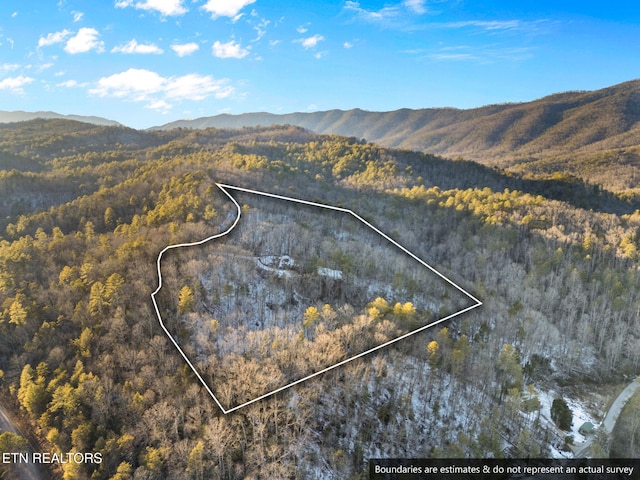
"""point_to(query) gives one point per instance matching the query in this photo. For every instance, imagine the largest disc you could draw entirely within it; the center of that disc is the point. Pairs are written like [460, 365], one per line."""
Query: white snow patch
[580, 416]
[328, 272]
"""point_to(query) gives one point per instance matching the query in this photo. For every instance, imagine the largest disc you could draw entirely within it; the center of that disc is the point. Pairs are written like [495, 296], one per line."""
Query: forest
[296, 288]
[592, 136]
[85, 211]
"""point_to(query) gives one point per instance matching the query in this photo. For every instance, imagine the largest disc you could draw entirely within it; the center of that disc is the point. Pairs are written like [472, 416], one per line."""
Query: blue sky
[148, 62]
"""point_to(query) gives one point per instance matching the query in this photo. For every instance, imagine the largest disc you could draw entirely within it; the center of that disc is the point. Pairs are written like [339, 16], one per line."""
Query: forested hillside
[85, 211]
[591, 135]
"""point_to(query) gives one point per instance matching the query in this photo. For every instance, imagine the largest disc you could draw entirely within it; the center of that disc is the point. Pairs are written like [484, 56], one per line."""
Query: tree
[196, 461]
[112, 287]
[433, 350]
[209, 213]
[110, 218]
[83, 342]
[510, 368]
[124, 472]
[97, 300]
[311, 316]
[11, 443]
[17, 313]
[328, 314]
[378, 308]
[406, 313]
[32, 393]
[561, 414]
[186, 301]
[526, 445]
[151, 458]
[81, 436]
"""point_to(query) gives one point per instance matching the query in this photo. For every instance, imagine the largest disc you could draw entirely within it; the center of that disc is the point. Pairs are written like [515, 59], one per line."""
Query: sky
[148, 62]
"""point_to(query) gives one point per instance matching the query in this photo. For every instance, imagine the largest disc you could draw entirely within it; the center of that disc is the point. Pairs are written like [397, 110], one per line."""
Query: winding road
[583, 450]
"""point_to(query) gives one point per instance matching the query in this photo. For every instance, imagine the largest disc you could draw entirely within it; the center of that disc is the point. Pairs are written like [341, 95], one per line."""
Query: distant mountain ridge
[20, 116]
[502, 134]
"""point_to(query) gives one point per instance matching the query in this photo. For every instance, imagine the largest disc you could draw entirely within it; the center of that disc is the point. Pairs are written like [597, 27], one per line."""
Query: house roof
[586, 427]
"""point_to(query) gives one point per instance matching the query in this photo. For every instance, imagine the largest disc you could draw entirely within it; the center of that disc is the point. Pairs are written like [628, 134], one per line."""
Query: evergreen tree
[561, 414]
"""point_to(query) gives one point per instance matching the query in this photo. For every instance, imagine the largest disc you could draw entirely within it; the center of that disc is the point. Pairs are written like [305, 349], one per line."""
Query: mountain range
[591, 135]
[20, 116]
[506, 135]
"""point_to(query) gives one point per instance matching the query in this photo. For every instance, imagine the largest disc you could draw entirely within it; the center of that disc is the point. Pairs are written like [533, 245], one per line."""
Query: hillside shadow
[463, 174]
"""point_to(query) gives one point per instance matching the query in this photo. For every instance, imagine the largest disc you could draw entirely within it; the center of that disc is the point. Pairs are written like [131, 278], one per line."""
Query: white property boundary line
[224, 188]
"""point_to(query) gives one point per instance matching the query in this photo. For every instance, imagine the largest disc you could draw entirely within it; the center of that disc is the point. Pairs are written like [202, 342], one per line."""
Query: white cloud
[165, 7]
[319, 55]
[134, 47]
[225, 8]
[140, 85]
[453, 56]
[310, 42]
[52, 38]
[416, 6]
[347, 44]
[10, 67]
[184, 49]
[502, 27]
[77, 16]
[481, 54]
[159, 105]
[230, 49]
[261, 29]
[195, 87]
[391, 12]
[302, 29]
[14, 14]
[386, 12]
[15, 84]
[136, 84]
[85, 40]
[67, 84]
[485, 25]
[71, 84]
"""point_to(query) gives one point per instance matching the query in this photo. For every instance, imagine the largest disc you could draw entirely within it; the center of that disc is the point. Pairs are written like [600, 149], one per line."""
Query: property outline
[224, 188]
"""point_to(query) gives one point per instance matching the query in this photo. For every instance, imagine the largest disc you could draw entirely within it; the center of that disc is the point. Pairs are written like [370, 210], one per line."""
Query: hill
[87, 367]
[20, 116]
[507, 135]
